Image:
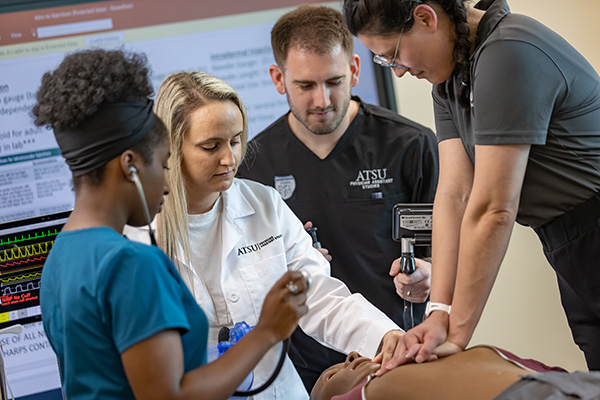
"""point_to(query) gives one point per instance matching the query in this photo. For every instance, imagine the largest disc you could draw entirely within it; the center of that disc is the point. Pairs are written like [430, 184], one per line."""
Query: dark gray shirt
[529, 86]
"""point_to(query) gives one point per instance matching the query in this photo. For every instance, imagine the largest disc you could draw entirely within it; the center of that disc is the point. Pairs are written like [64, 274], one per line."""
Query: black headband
[101, 137]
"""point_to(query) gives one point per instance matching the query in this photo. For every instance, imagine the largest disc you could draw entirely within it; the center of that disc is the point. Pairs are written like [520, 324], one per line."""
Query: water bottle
[235, 334]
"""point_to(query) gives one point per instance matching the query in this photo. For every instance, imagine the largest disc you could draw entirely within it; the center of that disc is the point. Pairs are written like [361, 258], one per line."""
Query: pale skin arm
[485, 233]
[391, 339]
[154, 366]
[485, 230]
[452, 194]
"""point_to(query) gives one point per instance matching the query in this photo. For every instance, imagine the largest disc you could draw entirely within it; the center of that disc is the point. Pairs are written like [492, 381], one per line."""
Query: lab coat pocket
[259, 278]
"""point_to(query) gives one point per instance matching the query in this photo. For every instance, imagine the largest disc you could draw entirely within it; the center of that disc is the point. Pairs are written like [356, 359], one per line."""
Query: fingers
[425, 352]
[391, 360]
[298, 303]
[325, 254]
[398, 349]
[292, 288]
[301, 309]
[415, 293]
[308, 224]
[395, 268]
[411, 344]
[418, 345]
[420, 276]
[412, 351]
[426, 342]
[297, 287]
[284, 305]
[423, 266]
[390, 344]
[416, 286]
[434, 332]
[377, 359]
[295, 282]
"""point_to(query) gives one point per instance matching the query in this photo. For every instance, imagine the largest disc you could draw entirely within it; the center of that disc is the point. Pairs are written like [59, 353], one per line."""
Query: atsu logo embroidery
[372, 178]
[257, 246]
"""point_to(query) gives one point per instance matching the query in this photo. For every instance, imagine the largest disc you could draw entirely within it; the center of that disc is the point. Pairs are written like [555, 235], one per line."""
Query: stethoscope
[252, 392]
[286, 343]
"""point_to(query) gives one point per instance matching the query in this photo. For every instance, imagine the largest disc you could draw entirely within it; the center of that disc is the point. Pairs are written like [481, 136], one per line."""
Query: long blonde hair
[178, 97]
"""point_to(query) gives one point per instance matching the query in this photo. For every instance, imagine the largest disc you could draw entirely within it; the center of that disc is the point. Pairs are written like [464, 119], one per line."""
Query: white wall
[523, 313]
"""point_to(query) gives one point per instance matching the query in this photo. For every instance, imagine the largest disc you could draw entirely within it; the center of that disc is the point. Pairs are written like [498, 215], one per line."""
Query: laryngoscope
[411, 226]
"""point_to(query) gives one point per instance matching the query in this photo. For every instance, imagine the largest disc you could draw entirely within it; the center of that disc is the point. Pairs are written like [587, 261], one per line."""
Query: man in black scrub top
[342, 164]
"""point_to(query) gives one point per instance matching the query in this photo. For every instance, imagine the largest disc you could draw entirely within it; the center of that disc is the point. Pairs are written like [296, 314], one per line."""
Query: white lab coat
[263, 239]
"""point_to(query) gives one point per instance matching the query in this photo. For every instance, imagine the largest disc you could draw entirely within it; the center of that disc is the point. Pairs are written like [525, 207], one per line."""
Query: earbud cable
[140, 189]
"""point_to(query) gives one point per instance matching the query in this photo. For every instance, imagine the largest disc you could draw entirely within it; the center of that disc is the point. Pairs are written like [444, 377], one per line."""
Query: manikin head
[343, 377]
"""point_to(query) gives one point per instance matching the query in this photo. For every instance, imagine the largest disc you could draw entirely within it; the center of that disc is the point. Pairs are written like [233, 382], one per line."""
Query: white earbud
[138, 184]
[133, 172]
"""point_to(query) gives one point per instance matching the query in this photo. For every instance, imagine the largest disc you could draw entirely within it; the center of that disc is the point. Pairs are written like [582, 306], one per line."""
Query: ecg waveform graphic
[30, 237]
[25, 251]
[22, 257]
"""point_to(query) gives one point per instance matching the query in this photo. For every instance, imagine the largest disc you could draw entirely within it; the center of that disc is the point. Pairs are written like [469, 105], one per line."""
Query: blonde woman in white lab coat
[232, 238]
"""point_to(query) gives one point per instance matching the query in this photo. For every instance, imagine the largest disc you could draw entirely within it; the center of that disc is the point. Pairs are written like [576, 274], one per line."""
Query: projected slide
[229, 39]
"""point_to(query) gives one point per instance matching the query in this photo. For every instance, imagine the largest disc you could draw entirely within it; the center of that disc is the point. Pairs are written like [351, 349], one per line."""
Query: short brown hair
[310, 27]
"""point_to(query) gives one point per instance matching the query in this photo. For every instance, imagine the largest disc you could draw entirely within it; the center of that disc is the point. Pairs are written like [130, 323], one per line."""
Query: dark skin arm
[154, 366]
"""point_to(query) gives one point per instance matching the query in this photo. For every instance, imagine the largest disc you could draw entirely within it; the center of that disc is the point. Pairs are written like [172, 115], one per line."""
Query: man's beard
[320, 129]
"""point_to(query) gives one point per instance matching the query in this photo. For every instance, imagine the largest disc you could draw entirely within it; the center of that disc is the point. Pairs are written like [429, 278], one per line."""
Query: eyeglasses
[385, 61]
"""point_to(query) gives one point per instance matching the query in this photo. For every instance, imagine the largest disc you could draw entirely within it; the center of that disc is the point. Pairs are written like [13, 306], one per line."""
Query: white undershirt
[205, 235]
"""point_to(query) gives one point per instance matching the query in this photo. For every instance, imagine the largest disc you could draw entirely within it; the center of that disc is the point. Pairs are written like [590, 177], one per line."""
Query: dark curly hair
[88, 79]
[386, 17]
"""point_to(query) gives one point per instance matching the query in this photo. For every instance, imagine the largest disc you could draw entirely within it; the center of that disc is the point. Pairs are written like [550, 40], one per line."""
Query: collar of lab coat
[235, 206]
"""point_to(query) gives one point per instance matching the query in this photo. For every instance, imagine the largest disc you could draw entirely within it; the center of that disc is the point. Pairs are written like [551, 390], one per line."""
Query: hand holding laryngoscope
[411, 225]
[312, 231]
[138, 184]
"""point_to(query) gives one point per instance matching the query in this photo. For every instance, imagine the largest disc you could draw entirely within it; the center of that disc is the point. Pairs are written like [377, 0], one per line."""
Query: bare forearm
[483, 242]
[155, 366]
[448, 212]
[452, 196]
[485, 233]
